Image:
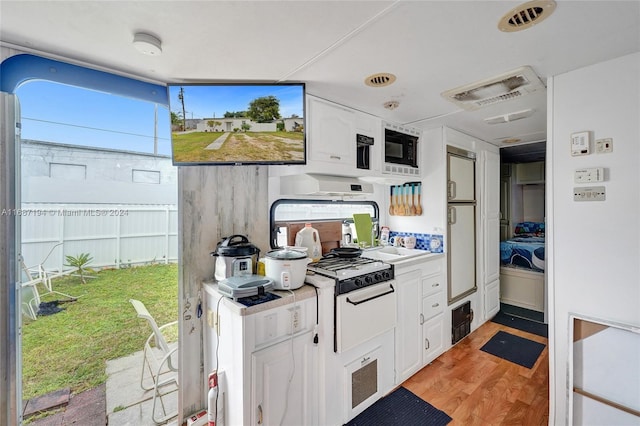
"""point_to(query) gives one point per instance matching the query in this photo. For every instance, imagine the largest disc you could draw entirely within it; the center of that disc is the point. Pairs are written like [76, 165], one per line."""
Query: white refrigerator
[461, 223]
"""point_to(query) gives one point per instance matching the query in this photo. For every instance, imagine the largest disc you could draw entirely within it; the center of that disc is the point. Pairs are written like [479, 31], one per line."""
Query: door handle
[426, 344]
[452, 189]
[451, 215]
[421, 319]
[260, 414]
[356, 303]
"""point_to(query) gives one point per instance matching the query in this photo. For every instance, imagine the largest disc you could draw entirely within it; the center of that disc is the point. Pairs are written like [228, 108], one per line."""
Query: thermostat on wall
[580, 143]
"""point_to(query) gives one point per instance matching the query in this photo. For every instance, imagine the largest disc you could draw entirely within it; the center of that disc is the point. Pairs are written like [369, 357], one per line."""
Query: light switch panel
[604, 145]
[594, 193]
[580, 142]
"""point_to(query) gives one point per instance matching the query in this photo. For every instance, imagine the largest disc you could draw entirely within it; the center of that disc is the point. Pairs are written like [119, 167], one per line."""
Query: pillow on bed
[529, 229]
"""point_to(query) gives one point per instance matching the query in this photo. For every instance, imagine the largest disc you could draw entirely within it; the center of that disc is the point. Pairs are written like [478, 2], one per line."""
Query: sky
[205, 101]
[66, 114]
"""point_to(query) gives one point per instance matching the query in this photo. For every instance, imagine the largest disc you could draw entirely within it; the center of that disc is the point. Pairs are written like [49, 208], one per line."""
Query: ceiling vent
[507, 86]
[507, 118]
[380, 80]
[526, 15]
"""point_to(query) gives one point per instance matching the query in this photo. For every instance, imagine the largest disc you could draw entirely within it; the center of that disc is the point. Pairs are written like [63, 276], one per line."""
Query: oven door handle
[371, 298]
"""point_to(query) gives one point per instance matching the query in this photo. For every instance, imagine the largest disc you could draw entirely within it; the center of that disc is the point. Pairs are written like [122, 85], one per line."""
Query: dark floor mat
[513, 348]
[522, 324]
[401, 408]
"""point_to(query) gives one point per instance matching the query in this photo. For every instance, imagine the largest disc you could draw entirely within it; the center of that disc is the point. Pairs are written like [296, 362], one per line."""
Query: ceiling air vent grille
[526, 15]
[380, 79]
[511, 85]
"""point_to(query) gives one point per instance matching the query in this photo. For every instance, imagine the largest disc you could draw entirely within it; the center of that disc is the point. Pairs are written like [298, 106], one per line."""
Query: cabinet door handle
[452, 189]
[452, 215]
[435, 285]
[335, 157]
[435, 305]
[426, 344]
[260, 414]
[421, 319]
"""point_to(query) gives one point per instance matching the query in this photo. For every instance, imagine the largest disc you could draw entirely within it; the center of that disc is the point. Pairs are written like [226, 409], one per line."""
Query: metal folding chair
[159, 361]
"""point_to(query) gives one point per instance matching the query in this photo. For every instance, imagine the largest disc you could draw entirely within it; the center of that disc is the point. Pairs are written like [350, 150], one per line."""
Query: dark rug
[534, 327]
[525, 313]
[401, 408]
[49, 308]
[516, 349]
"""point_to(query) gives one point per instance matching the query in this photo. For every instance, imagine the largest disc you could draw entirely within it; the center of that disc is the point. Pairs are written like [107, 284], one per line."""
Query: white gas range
[357, 320]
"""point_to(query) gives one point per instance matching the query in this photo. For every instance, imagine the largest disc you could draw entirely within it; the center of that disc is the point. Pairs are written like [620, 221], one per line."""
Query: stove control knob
[358, 282]
[378, 277]
[387, 275]
[368, 279]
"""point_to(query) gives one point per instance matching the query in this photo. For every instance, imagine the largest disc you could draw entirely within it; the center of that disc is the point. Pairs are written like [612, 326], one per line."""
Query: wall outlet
[296, 319]
[604, 145]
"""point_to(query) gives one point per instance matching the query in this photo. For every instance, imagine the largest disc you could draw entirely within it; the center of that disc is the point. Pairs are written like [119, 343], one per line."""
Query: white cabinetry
[270, 370]
[331, 134]
[280, 396]
[421, 301]
[530, 173]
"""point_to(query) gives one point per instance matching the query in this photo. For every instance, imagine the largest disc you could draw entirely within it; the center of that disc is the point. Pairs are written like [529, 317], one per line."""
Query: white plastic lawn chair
[159, 360]
[31, 296]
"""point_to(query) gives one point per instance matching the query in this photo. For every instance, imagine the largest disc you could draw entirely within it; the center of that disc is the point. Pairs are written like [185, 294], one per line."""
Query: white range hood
[319, 184]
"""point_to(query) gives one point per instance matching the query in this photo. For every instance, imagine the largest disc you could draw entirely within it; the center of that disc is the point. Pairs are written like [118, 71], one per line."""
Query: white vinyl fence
[114, 235]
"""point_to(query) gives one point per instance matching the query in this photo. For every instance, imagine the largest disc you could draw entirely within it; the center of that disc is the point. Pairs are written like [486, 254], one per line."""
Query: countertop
[286, 298]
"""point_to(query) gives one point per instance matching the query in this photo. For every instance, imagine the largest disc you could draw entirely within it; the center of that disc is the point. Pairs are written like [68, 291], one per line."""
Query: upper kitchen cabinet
[331, 134]
[529, 173]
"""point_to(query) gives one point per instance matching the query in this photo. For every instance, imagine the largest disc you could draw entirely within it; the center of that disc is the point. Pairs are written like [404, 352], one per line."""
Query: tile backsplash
[432, 242]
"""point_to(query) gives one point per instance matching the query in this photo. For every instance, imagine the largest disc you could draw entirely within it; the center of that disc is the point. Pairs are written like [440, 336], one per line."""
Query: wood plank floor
[476, 388]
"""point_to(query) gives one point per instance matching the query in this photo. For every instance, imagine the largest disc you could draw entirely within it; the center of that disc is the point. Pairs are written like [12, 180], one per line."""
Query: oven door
[363, 314]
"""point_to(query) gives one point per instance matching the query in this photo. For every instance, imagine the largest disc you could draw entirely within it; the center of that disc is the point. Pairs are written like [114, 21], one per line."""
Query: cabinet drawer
[432, 285]
[432, 305]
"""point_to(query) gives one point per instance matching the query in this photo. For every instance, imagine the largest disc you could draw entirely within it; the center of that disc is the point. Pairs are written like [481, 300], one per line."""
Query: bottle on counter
[310, 238]
[384, 236]
[346, 234]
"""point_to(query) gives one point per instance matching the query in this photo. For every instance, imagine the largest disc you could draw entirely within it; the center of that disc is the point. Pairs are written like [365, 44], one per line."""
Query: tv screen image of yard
[252, 123]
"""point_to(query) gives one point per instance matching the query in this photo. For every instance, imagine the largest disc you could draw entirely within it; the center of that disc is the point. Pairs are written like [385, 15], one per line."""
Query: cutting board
[363, 224]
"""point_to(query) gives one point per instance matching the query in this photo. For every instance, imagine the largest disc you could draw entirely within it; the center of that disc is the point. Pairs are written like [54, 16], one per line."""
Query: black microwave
[401, 155]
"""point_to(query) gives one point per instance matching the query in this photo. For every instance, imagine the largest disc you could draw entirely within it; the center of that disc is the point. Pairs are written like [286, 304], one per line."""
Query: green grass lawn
[70, 348]
[240, 146]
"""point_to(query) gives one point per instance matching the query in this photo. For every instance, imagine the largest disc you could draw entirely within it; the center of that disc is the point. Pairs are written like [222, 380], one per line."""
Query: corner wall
[595, 246]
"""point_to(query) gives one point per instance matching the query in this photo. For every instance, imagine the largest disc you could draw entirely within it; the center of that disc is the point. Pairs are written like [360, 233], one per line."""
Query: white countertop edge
[286, 298]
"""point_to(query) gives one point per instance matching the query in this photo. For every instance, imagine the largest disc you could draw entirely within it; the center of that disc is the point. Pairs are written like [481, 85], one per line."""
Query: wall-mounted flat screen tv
[237, 124]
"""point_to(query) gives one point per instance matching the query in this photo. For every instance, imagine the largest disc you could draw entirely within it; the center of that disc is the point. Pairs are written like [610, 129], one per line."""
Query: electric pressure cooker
[235, 257]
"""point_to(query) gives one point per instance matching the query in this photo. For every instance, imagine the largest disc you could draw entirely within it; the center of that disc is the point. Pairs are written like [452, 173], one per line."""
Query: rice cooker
[235, 257]
[287, 268]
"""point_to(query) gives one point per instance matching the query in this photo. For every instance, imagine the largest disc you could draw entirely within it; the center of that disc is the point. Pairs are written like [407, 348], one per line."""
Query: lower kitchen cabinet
[433, 338]
[421, 303]
[281, 383]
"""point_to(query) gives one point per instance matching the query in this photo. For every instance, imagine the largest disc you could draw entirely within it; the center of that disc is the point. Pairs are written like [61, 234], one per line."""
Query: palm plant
[80, 262]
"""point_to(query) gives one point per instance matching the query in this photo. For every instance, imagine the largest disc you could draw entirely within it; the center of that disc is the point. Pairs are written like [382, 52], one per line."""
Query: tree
[79, 262]
[213, 123]
[245, 127]
[175, 118]
[264, 109]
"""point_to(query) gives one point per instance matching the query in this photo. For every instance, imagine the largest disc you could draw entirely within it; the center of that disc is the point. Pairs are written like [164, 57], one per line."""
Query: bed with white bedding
[522, 267]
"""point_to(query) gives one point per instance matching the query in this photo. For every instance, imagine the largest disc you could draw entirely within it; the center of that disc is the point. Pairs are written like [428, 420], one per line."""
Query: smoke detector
[526, 15]
[380, 79]
[147, 44]
[504, 87]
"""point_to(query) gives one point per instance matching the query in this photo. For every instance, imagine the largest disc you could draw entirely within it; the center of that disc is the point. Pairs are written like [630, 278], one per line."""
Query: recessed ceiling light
[147, 44]
[526, 15]
[380, 79]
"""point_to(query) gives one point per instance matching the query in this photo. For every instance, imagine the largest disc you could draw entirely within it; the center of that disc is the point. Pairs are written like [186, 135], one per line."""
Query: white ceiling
[431, 46]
